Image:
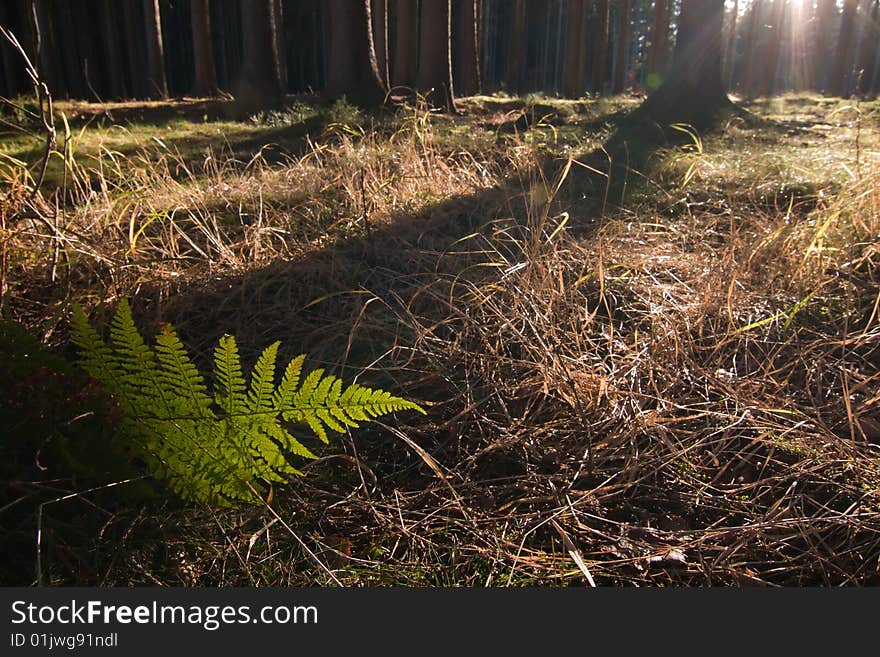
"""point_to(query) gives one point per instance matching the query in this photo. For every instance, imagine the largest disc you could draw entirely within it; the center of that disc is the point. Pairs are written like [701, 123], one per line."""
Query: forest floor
[675, 381]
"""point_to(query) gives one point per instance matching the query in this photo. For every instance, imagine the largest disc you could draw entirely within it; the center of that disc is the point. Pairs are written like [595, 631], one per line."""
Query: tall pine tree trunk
[380, 39]
[259, 82]
[621, 67]
[13, 81]
[115, 77]
[826, 19]
[352, 68]
[868, 39]
[730, 54]
[774, 33]
[753, 48]
[23, 29]
[205, 83]
[600, 53]
[843, 67]
[157, 86]
[135, 50]
[658, 53]
[68, 43]
[406, 53]
[91, 62]
[435, 55]
[872, 63]
[280, 42]
[46, 41]
[574, 81]
[694, 91]
[516, 49]
[316, 35]
[469, 81]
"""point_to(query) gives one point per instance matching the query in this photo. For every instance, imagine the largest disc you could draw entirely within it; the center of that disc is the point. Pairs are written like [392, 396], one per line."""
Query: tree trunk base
[249, 100]
[680, 102]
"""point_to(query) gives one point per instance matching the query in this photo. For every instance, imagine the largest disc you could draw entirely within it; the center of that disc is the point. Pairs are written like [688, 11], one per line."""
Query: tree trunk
[86, 27]
[636, 49]
[753, 49]
[316, 39]
[8, 70]
[68, 44]
[280, 43]
[559, 59]
[488, 44]
[259, 82]
[729, 66]
[203, 50]
[658, 53]
[621, 67]
[380, 39]
[22, 27]
[868, 44]
[845, 47]
[516, 49]
[694, 92]
[13, 80]
[575, 48]
[873, 71]
[353, 71]
[45, 41]
[157, 86]
[218, 34]
[774, 33]
[600, 54]
[435, 55]
[406, 53]
[470, 48]
[136, 49]
[113, 53]
[826, 17]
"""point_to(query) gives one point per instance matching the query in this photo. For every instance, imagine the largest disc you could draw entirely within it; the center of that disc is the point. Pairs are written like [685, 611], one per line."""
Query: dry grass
[680, 391]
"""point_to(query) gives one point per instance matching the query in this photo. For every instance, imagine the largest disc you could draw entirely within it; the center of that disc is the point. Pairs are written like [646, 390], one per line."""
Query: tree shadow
[346, 303]
[349, 303]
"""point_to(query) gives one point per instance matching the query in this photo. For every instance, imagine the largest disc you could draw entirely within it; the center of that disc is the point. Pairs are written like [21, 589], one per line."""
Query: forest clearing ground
[682, 388]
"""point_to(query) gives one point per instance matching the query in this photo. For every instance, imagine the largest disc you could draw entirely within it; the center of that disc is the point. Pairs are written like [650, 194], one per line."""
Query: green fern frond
[218, 445]
[289, 383]
[97, 357]
[230, 391]
[322, 404]
[262, 388]
[179, 373]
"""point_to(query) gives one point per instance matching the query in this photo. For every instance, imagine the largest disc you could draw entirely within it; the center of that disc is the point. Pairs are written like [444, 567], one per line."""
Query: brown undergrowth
[678, 391]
